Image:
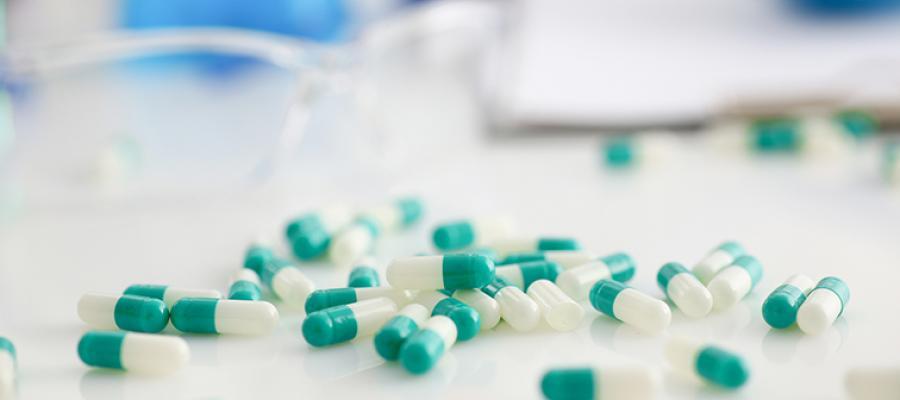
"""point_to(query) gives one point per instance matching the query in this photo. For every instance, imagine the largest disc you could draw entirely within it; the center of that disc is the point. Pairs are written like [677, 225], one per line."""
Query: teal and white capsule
[244, 285]
[559, 310]
[364, 274]
[126, 312]
[465, 317]
[780, 308]
[522, 275]
[722, 256]
[134, 352]
[825, 303]
[685, 290]
[578, 281]
[398, 329]
[227, 317]
[424, 349]
[401, 213]
[344, 323]
[451, 271]
[630, 306]
[287, 282]
[624, 383]
[506, 246]
[735, 281]
[170, 294]
[488, 309]
[457, 235]
[516, 308]
[708, 363]
[565, 258]
[326, 298]
[354, 241]
[256, 256]
[310, 234]
[7, 366]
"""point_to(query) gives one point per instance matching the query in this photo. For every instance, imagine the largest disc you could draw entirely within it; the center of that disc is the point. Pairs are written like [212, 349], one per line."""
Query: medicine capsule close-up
[825, 303]
[287, 282]
[134, 352]
[559, 310]
[685, 290]
[170, 294]
[256, 256]
[451, 271]
[310, 234]
[516, 308]
[466, 318]
[779, 310]
[734, 282]
[722, 256]
[398, 329]
[709, 363]
[245, 285]
[630, 306]
[325, 298]
[345, 323]
[623, 383]
[424, 349]
[236, 317]
[364, 274]
[126, 312]
[488, 309]
[522, 275]
[578, 281]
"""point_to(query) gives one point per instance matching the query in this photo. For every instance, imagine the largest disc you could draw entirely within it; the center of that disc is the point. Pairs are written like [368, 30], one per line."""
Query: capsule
[825, 303]
[326, 298]
[230, 317]
[458, 235]
[516, 308]
[398, 329]
[628, 383]
[7, 366]
[345, 323]
[528, 244]
[578, 281]
[287, 282]
[487, 308]
[355, 241]
[256, 256]
[873, 383]
[169, 294]
[126, 312]
[426, 347]
[363, 275]
[245, 286]
[310, 234]
[734, 282]
[720, 257]
[399, 214]
[466, 318]
[559, 310]
[134, 352]
[524, 274]
[451, 271]
[780, 308]
[709, 363]
[630, 306]
[685, 290]
[565, 258]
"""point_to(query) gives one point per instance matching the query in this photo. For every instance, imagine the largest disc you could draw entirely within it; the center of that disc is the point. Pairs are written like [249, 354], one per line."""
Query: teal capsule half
[722, 367]
[393, 334]
[152, 291]
[302, 224]
[7, 346]
[776, 135]
[101, 349]
[619, 152]
[621, 266]
[330, 326]
[325, 298]
[550, 244]
[857, 123]
[141, 314]
[569, 384]
[411, 210]
[244, 290]
[454, 235]
[466, 318]
[518, 258]
[422, 351]
[779, 310]
[256, 256]
[603, 296]
[363, 276]
[195, 315]
[466, 271]
[310, 244]
[534, 271]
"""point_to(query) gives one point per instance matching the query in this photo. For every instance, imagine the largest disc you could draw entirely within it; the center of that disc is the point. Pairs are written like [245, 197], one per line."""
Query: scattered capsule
[565, 258]
[629, 383]
[126, 312]
[458, 235]
[426, 347]
[524, 274]
[630, 306]
[233, 317]
[169, 294]
[720, 257]
[398, 329]
[133, 352]
[345, 323]
[310, 234]
[355, 241]
[287, 282]
[780, 308]
[327, 298]
[451, 271]
[527, 244]
[516, 308]
[256, 256]
[685, 290]
[873, 383]
[363, 275]
[487, 308]
[734, 282]
[7, 366]
[559, 310]
[245, 286]
[578, 281]
[465, 317]
[401, 213]
[825, 303]
[711, 364]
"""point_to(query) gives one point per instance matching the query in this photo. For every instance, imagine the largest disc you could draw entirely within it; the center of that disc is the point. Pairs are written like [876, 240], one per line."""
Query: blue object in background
[843, 7]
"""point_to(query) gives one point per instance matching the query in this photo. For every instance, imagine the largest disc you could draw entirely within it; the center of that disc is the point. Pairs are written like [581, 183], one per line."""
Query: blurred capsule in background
[890, 162]
[642, 148]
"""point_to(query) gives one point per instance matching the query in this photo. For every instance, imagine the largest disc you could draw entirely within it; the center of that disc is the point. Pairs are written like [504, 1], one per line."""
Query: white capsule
[351, 244]
[451, 271]
[516, 308]
[685, 290]
[559, 310]
[734, 282]
[292, 286]
[578, 281]
[630, 306]
[488, 308]
[631, 383]
[873, 383]
[235, 317]
[133, 352]
[823, 306]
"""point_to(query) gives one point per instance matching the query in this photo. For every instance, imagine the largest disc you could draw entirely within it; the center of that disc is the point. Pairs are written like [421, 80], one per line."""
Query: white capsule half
[372, 314]
[245, 317]
[488, 230]
[423, 272]
[514, 245]
[7, 373]
[873, 383]
[559, 310]
[721, 257]
[517, 309]
[578, 281]
[488, 308]
[631, 383]
[569, 258]
[691, 297]
[292, 286]
[351, 244]
[819, 311]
